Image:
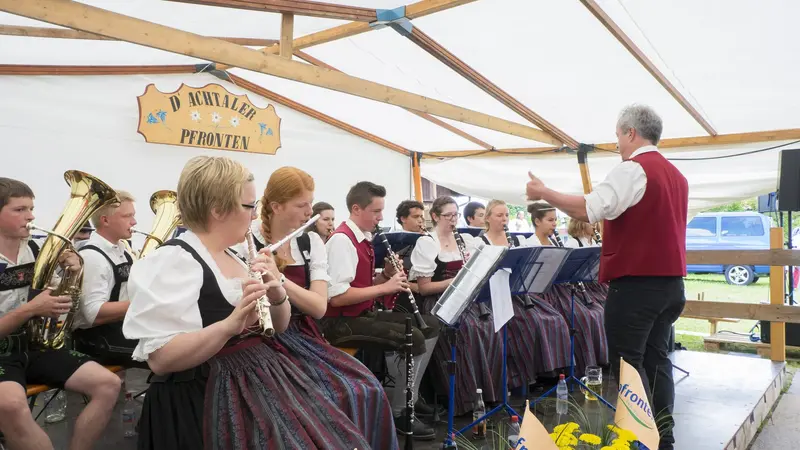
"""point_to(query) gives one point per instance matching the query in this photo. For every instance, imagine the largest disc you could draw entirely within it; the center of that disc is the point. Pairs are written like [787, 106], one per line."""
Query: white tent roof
[734, 60]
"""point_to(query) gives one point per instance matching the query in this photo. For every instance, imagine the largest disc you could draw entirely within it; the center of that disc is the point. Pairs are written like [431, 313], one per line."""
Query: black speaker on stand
[789, 180]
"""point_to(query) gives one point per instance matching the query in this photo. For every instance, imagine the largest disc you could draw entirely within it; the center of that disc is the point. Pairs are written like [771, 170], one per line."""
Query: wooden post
[583, 163]
[417, 176]
[777, 330]
[287, 34]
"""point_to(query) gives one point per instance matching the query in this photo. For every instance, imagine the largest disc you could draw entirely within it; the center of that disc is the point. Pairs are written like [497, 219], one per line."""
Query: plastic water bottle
[513, 432]
[562, 394]
[478, 411]
[57, 409]
[128, 416]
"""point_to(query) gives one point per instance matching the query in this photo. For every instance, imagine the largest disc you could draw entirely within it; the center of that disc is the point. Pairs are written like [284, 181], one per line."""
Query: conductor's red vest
[649, 239]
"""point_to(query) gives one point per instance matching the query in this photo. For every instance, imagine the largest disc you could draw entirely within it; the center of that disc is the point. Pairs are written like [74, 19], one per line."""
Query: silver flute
[262, 304]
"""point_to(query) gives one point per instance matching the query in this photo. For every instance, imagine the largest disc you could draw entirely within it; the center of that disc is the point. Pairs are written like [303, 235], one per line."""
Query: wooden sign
[208, 117]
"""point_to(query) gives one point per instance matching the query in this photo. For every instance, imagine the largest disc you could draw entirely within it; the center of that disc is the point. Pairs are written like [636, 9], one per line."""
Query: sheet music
[500, 288]
[551, 262]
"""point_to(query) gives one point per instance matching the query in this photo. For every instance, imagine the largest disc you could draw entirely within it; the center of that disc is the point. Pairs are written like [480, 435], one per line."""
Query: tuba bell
[165, 206]
[87, 195]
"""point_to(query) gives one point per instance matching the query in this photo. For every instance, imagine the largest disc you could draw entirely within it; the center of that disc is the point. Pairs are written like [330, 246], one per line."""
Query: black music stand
[472, 231]
[533, 269]
[398, 240]
[582, 265]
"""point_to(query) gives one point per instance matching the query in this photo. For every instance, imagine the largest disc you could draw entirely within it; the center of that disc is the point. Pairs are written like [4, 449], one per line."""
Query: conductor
[643, 204]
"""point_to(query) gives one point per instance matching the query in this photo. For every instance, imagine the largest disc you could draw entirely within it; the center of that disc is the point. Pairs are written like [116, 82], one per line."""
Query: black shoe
[428, 413]
[421, 431]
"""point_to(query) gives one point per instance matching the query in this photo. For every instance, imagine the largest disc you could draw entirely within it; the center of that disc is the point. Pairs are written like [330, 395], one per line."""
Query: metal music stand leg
[572, 379]
[504, 405]
[450, 335]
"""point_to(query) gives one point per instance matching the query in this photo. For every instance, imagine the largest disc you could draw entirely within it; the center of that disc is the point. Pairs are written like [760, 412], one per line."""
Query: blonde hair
[109, 209]
[576, 228]
[284, 184]
[210, 183]
[490, 206]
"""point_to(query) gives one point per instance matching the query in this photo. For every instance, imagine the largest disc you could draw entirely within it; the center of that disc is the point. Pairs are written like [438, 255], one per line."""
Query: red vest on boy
[649, 239]
[364, 274]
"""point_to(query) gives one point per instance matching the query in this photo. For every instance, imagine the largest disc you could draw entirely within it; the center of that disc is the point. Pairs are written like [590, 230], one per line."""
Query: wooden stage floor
[720, 405]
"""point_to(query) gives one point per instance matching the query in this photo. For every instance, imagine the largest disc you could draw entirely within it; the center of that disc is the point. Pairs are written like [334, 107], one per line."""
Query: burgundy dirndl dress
[250, 395]
[479, 351]
[345, 380]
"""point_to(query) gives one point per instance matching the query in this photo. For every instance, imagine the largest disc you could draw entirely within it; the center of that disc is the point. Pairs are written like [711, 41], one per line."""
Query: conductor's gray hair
[642, 119]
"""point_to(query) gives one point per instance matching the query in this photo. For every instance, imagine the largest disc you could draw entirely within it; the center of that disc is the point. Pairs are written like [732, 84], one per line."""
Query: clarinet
[483, 309]
[398, 266]
[527, 302]
[409, 344]
[597, 236]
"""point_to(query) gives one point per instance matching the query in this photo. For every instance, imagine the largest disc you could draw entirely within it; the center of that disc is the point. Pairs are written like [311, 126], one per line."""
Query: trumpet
[262, 304]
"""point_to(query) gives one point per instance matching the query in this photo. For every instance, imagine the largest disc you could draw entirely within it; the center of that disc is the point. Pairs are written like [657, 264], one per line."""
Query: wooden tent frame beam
[317, 62]
[416, 10]
[427, 43]
[637, 53]
[665, 144]
[295, 7]
[61, 33]
[99, 21]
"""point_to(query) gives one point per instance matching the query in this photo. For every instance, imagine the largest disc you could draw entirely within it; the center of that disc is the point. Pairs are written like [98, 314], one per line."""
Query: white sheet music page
[500, 288]
[551, 259]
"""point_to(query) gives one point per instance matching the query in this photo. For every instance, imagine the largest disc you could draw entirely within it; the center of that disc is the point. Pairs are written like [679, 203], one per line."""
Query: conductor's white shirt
[623, 188]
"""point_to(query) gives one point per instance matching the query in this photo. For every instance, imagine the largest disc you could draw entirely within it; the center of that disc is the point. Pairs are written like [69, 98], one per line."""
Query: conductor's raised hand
[245, 313]
[535, 188]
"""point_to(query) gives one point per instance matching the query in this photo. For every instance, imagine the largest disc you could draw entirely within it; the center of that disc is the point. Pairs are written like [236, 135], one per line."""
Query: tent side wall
[54, 123]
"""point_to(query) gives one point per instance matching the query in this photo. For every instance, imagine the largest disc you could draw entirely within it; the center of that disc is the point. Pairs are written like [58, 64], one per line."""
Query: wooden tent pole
[777, 330]
[416, 175]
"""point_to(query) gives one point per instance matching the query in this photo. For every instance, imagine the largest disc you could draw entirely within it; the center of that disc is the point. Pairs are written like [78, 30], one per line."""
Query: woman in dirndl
[538, 336]
[591, 347]
[583, 234]
[285, 207]
[435, 261]
[218, 382]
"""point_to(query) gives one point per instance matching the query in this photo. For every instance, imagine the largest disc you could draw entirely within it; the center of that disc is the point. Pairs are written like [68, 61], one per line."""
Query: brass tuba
[165, 206]
[87, 195]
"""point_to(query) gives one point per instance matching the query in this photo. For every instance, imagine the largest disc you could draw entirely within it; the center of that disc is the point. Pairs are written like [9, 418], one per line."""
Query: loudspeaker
[768, 203]
[789, 180]
[792, 333]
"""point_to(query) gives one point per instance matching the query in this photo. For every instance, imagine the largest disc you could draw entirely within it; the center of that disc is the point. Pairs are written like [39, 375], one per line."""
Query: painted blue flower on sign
[151, 118]
[263, 126]
[162, 115]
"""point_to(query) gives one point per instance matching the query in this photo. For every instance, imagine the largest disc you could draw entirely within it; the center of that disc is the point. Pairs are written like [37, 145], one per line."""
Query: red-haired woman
[285, 206]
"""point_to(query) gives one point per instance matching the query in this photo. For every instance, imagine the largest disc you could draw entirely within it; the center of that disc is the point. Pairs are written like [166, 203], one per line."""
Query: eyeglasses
[253, 205]
[450, 216]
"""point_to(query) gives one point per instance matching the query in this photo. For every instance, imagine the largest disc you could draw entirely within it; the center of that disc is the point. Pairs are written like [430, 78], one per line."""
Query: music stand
[582, 265]
[472, 231]
[398, 240]
[533, 269]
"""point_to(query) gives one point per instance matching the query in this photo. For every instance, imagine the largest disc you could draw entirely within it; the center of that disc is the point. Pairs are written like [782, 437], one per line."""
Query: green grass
[716, 289]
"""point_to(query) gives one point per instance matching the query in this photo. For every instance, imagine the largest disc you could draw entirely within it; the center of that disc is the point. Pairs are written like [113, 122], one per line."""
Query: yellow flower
[590, 439]
[566, 448]
[607, 448]
[569, 428]
[566, 440]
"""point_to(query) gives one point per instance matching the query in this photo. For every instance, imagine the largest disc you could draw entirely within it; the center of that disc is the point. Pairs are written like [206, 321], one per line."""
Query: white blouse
[428, 248]
[164, 289]
[573, 242]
